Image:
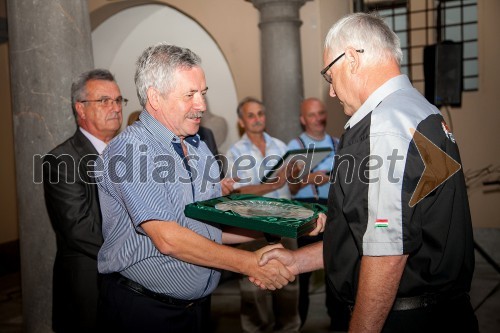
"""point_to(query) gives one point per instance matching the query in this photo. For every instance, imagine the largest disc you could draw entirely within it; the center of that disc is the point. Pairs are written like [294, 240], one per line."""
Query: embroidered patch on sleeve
[381, 223]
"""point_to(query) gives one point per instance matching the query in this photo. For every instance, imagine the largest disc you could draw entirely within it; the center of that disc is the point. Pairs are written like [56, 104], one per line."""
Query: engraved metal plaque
[257, 208]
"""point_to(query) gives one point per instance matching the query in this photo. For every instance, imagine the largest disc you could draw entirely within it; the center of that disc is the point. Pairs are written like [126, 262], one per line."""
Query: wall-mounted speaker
[443, 73]
[3, 30]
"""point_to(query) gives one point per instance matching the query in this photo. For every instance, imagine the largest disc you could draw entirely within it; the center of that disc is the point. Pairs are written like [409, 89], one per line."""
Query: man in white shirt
[248, 159]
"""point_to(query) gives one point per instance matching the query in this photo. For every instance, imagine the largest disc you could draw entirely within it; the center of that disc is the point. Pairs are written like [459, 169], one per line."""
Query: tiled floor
[226, 302]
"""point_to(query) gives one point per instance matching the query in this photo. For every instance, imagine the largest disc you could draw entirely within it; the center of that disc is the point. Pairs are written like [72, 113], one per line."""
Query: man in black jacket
[72, 201]
[398, 246]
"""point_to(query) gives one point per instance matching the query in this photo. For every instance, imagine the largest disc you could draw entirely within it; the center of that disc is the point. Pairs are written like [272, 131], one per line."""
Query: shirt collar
[98, 144]
[392, 85]
[162, 133]
[267, 139]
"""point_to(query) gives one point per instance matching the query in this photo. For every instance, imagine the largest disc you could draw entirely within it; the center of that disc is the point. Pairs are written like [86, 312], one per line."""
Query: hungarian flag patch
[381, 223]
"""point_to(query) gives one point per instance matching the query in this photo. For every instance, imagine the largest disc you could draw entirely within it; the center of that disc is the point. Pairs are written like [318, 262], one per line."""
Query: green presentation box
[279, 217]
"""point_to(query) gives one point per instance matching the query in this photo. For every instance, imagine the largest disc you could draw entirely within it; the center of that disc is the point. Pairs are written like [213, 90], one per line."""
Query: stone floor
[485, 297]
[226, 306]
[10, 303]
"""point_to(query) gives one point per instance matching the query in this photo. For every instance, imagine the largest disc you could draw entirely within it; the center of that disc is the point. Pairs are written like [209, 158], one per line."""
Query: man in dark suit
[207, 136]
[72, 201]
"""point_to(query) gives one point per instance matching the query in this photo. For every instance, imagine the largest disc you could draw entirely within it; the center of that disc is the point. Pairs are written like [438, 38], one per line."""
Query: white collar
[98, 144]
[396, 83]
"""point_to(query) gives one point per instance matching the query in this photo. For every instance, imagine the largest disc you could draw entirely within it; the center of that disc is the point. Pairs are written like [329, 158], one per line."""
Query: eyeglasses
[107, 101]
[326, 76]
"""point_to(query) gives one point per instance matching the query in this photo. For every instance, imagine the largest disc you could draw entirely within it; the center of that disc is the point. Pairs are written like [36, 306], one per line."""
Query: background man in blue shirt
[314, 188]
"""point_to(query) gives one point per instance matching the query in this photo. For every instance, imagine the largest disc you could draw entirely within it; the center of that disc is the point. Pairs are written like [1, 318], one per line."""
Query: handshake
[277, 266]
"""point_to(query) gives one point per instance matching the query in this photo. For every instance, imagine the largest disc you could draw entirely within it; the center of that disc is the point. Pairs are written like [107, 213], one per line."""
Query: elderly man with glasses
[72, 201]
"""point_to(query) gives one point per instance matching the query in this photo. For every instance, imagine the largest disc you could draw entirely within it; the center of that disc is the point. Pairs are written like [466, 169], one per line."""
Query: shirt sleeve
[140, 179]
[384, 171]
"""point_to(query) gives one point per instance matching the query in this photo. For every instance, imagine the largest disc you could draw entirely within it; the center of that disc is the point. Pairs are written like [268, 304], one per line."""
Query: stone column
[281, 65]
[50, 43]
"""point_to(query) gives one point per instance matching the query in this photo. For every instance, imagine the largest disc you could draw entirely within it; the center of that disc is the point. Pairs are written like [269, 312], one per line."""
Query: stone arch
[119, 39]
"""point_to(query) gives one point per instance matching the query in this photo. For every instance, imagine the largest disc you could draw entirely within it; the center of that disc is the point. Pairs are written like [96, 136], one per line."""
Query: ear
[240, 122]
[353, 60]
[80, 111]
[153, 98]
[302, 121]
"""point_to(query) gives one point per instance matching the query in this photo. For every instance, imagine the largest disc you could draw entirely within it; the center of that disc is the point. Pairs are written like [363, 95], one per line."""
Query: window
[423, 22]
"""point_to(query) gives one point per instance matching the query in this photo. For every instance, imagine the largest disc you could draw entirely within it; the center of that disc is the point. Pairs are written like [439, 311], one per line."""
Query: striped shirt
[245, 161]
[145, 178]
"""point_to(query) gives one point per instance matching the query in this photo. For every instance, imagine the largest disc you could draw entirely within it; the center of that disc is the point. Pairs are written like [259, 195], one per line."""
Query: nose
[116, 107]
[200, 103]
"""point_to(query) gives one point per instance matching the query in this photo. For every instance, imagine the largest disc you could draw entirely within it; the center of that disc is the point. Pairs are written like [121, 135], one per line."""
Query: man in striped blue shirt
[157, 263]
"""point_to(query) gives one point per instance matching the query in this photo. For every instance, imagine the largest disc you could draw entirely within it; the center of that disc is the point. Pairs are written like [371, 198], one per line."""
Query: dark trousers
[339, 312]
[452, 315]
[124, 310]
[75, 293]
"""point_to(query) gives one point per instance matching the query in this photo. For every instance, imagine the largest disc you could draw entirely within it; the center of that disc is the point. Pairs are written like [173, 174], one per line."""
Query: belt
[418, 302]
[415, 302]
[136, 287]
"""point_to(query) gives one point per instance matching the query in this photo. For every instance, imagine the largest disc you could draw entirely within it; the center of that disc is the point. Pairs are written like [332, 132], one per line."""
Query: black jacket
[71, 197]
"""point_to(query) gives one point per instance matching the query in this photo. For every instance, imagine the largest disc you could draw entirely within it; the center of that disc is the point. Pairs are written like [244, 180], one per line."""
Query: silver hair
[239, 109]
[79, 86]
[366, 31]
[157, 65]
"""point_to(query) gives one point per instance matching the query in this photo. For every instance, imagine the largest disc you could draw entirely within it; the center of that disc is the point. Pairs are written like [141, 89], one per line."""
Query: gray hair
[157, 65]
[78, 87]
[239, 109]
[366, 31]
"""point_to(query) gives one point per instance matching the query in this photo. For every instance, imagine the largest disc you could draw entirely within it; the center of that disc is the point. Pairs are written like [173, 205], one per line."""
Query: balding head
[313, 117]
[310, 103]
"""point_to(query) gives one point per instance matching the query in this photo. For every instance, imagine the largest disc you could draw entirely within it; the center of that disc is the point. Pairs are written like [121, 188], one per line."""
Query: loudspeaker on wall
[443, 73]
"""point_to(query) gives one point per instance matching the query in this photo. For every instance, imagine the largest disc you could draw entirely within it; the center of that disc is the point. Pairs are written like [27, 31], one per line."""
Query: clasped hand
[281, 260]
[273, 274]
